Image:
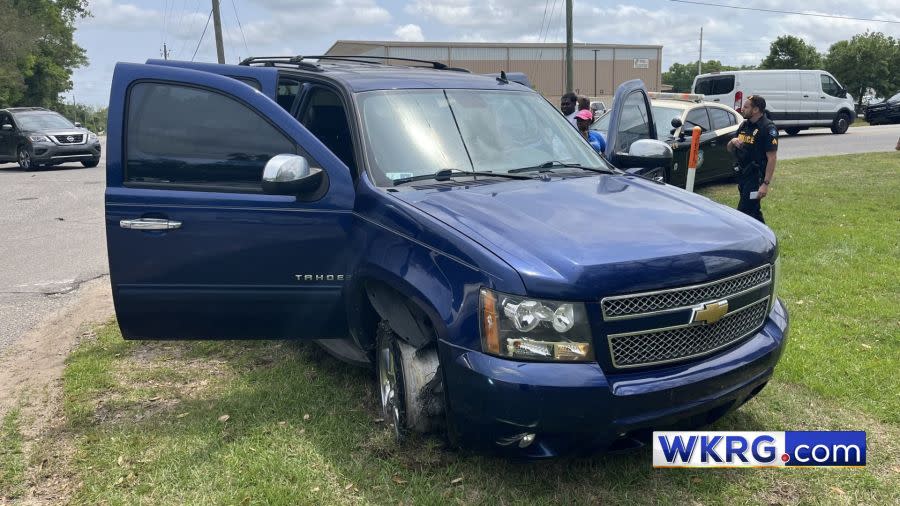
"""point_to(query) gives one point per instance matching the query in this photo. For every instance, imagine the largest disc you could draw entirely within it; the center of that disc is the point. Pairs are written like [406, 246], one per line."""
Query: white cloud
[118, 16]
[409, 33]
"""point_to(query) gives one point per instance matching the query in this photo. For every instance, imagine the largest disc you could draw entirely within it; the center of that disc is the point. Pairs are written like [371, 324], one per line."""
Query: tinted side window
[830, 86]
[634, 123]
[723, 85]
[720, 118]
[179, 134]
[704, 86]
[697, 117]
[288, 89]
[325, 118]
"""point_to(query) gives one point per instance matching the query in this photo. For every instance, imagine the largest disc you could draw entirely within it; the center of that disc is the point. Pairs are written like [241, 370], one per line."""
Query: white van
[795, 99]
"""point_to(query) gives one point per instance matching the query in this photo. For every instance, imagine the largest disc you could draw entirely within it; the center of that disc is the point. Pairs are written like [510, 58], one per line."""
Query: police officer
[755, 148]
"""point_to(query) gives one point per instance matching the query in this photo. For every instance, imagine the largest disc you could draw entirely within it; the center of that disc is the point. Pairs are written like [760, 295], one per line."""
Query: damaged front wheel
[409, 383]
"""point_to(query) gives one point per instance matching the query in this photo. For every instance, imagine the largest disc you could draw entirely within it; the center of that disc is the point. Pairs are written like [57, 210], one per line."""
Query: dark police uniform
[759, 138]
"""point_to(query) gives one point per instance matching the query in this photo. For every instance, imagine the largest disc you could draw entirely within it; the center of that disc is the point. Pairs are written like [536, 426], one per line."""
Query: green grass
[12, 459]
[836, 219]
[859, 122]
[145, 417]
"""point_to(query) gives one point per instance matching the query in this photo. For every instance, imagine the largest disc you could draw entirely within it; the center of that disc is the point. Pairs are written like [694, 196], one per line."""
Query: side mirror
[290, 175]
[78, 125]
[676, 122]
[651, 150]
[6, 127]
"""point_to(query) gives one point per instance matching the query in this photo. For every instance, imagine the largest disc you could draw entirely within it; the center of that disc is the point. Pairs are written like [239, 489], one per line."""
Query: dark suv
[34, 136]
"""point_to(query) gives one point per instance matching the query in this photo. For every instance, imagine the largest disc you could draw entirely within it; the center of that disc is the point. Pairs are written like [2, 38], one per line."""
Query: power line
[543, 18]
[196, 10]
[202, 35]
[777, 11]
[238, 18]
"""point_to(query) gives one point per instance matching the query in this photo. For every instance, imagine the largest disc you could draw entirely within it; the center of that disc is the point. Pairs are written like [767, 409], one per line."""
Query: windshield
[418, 132]
[663, 117]
[43, 121]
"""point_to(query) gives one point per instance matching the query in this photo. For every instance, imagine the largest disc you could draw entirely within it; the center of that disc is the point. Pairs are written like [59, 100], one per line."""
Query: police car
[674, 117]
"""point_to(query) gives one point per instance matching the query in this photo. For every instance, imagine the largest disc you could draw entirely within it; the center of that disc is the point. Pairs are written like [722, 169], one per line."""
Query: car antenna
[502, 79]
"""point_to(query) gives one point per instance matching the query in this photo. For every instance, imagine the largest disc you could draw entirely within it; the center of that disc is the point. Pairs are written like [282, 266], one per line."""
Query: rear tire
[409, 384]
[792, 131]
[91, 163]
[841, 123]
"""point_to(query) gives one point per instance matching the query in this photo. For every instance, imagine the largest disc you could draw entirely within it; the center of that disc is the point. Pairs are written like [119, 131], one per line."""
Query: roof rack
[276, 61]
[272, 61]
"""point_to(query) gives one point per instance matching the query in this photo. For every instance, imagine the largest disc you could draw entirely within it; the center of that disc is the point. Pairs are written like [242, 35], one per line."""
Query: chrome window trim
[680, 289]
[676, 327]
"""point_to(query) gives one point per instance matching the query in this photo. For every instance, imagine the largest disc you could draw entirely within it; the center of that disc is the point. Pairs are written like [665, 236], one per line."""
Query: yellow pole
[692, 159]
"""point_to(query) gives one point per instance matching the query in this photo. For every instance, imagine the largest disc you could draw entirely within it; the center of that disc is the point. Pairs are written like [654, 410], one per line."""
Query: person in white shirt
[567, 104]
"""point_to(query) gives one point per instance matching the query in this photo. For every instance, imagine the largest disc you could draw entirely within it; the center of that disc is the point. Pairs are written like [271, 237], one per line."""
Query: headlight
[534, 329]
[93, 137]
[38, 138]
[776, 281]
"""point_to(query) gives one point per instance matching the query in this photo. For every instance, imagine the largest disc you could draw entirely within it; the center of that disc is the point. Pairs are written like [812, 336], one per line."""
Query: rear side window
[288, 89]
[723, 85]
[721, 118]
[704, 86]
[185, 135]
[715, 85]
[697, 117]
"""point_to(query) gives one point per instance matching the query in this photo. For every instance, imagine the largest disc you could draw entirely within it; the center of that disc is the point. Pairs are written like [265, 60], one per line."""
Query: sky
[135, 30]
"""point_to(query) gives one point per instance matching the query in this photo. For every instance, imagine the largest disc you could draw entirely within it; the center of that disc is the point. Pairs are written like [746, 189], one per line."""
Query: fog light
[526, 440]
[522, 440]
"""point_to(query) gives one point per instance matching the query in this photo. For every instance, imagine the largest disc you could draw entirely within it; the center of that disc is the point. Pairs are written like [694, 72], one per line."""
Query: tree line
[39, 54]
[867, 61]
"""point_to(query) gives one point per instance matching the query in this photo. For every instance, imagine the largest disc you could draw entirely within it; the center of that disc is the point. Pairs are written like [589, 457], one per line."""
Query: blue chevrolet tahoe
[511, 287]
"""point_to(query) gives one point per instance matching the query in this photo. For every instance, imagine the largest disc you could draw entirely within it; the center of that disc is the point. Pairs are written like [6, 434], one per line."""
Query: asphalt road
[821, 142]
[51, 225]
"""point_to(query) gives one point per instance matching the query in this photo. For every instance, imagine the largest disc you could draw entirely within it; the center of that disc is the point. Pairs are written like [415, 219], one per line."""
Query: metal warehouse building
[599, 68]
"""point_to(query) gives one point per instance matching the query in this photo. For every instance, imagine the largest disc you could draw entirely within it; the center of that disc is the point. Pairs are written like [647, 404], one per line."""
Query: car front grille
[630, 306]
[688, 341]
[64, 139]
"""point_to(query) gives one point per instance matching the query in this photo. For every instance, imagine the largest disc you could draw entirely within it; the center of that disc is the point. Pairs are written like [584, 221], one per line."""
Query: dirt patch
[31, 378]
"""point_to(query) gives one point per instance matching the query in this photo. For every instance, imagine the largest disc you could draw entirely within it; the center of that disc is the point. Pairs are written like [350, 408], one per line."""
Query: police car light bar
[690, 97]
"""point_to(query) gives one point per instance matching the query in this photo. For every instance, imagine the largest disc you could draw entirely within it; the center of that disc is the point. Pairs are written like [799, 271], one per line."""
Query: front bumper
[577, 408]
[46, 152]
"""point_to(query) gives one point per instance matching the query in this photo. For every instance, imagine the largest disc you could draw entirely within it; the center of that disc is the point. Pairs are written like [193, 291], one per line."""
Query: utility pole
[570, 72]
[700, 61]
[217, 24]
[165, 52]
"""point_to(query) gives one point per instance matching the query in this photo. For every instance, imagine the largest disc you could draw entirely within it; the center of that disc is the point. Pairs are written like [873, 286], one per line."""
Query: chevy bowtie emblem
[709, 312]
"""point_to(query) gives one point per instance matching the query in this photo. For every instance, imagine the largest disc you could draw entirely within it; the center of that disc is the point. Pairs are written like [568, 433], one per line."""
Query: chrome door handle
[150, 224]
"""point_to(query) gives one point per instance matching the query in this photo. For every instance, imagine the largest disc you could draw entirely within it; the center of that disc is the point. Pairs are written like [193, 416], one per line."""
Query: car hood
[587, 237]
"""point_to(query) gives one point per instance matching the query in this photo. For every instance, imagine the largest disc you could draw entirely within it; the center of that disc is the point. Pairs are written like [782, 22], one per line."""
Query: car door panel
[226, 265]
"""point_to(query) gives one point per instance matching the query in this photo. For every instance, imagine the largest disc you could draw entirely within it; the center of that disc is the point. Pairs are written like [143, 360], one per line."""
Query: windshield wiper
[555, 164]
[446, 174]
